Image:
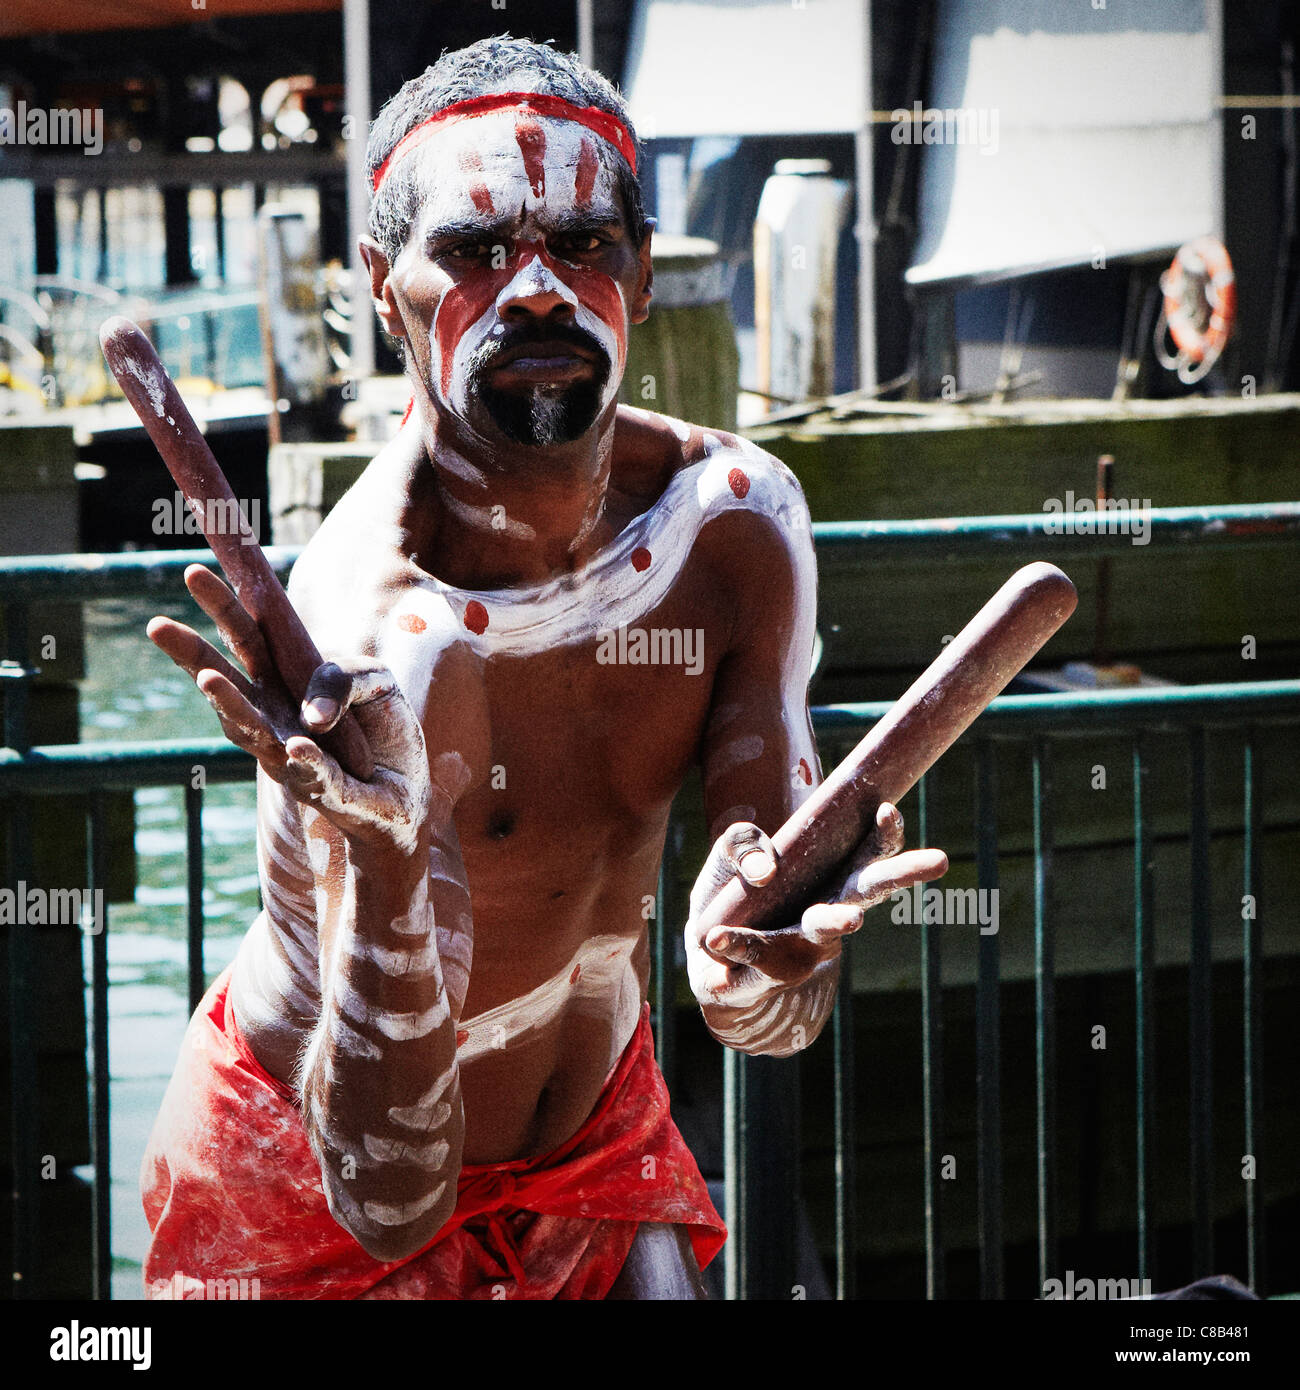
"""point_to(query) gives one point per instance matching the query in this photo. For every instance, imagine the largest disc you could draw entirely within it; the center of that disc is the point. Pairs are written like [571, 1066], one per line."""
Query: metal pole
[356, 79]
[988, 1028]
[863, 154]
[587, 32]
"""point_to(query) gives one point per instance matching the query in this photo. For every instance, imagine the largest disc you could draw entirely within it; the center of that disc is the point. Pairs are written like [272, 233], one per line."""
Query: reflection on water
[133, 692]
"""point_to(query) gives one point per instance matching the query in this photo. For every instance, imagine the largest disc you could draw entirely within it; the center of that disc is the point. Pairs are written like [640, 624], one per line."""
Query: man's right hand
[391, 810]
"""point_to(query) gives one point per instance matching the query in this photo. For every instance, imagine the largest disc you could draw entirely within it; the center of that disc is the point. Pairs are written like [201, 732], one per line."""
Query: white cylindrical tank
[796, 236]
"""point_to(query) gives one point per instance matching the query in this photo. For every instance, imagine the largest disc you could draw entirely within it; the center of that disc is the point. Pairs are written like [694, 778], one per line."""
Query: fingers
[884, 841]
[239, 631]
[391, 727]
[741, 960]
[386, 808]
[741, 849]
[873, 884]
[339, 685]
[241, 722]
[887, 837]
[192, 653]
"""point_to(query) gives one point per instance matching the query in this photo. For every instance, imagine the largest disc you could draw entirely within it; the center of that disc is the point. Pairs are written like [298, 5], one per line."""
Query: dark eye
[468, 250]
[581, 244]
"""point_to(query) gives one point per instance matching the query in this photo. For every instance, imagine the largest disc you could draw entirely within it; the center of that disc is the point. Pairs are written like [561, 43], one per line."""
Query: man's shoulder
[660, 455]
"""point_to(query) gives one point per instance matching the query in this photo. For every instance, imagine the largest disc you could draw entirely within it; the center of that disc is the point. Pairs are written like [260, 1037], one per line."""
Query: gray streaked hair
[496, 64]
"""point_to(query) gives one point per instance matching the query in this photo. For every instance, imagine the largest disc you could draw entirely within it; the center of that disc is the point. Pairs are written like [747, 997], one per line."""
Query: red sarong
[232, 1192]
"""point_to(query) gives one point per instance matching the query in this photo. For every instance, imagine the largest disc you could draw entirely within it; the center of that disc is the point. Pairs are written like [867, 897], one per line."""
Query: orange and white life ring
[1200, 308]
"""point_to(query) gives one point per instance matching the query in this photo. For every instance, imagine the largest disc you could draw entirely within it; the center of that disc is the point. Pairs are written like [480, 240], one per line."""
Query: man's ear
[380, 290]
[639, 309]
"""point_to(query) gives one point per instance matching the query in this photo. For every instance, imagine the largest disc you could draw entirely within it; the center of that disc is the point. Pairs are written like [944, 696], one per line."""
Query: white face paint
[531, 281]
[519, 177]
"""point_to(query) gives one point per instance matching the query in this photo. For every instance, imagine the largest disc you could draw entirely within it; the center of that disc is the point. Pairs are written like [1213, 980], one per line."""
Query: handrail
[1086, 711]
[83, 767]
[1042, 533]
[121, 575]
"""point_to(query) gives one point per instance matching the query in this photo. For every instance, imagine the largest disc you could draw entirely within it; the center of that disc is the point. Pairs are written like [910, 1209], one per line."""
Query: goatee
[542, 415]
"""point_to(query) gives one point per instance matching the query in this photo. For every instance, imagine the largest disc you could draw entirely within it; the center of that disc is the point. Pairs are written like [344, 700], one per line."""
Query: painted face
[520, 269]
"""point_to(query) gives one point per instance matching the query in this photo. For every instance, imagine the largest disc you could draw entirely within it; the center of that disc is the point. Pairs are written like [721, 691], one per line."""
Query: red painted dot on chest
[738, 481]
[411, 622]
[805, 773]
[575, 974]
[641, 559]
[476, 618]
[462, 1036]
[531, 139]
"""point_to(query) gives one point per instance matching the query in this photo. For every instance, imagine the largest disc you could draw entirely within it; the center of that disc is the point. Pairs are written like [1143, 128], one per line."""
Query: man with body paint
[429, 1073]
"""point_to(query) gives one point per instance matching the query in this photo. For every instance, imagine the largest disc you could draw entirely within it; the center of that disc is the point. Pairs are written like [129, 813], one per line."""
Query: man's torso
[579, 708]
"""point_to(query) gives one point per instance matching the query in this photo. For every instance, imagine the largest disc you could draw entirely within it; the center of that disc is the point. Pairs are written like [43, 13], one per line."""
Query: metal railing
[761, 1094]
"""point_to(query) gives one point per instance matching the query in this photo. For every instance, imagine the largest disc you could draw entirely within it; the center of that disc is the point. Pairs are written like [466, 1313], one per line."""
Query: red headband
[607, 126]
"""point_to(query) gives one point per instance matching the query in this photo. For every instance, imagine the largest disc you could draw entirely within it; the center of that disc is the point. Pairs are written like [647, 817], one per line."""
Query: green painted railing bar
[81, 767]
[1200, 1041]
[665, 959]
[988, 1043]
[1044, 1012]
[1086, 711]
[1033, 535]
[1251, 960]
[1029, 534]
[931, 1072]
[23, 1085]
[194, 892]
[101, 1220]
[129, 574]
[735, 1111]
[1144, 973]
[846, 1130]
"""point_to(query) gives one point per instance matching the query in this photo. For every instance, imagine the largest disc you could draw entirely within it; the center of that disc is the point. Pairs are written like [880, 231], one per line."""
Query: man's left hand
[738, 967]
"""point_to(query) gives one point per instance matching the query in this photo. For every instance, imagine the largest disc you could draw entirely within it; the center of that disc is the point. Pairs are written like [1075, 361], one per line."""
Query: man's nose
[535, 291]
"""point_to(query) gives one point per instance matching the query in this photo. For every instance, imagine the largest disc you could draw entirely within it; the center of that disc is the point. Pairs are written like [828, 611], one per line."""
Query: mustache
[482, 358]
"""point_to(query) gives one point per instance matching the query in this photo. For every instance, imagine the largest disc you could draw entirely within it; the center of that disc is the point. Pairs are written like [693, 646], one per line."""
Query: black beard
[543, 415]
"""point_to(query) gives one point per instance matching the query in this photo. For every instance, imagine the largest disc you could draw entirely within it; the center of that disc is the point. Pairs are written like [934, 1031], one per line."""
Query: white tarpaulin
[1088, 132]
[744, 67]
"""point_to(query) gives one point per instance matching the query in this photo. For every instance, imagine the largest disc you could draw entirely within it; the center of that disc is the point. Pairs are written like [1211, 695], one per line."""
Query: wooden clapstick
[154, 397]
[944, 701]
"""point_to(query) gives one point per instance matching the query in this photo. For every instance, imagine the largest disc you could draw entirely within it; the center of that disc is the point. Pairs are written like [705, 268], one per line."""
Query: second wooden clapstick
[927, 720]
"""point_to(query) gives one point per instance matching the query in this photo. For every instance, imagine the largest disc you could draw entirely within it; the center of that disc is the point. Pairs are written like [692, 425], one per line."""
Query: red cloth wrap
[232, 1191]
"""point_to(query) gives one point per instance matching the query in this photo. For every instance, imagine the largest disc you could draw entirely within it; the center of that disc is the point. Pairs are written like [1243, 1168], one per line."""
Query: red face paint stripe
[584, 179]
[462, 305]
[531, 139]
[472, 167]
[607, 126]
[594, 289]
[469, 299]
